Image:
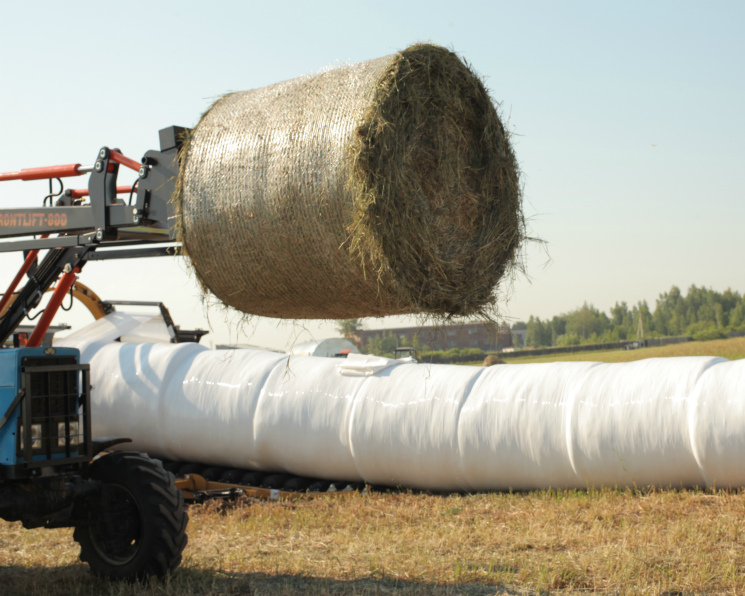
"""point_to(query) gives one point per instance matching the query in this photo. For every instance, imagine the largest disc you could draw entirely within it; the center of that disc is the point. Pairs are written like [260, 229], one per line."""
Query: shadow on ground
[76, 580]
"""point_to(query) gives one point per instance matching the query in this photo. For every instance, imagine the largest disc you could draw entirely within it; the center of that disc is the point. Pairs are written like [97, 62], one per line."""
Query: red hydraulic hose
[19, 276]
[125, 161]
[63, 287]
[42, 173]
[84, 192]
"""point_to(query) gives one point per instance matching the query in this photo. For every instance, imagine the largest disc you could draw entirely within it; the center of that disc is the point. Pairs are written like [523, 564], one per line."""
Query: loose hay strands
[379, 188]
[439, 199]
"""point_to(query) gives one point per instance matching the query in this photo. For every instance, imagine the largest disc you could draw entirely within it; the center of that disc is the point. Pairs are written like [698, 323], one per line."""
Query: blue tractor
[127, 514]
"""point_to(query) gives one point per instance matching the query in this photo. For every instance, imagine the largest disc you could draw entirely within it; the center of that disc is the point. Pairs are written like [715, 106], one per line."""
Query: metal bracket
[13, 405]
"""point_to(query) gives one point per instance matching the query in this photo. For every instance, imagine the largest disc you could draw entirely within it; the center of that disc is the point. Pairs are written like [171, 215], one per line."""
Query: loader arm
[88, 229]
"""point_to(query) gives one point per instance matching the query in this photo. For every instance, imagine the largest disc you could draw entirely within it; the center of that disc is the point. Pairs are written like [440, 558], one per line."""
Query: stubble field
[608, 541]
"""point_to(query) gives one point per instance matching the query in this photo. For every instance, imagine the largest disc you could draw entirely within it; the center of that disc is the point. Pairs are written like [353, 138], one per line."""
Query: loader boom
[128, 516]
[89, 230]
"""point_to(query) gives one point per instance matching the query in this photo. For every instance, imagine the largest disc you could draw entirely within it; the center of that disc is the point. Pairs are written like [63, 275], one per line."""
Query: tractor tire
[172, 466]
[137, 527]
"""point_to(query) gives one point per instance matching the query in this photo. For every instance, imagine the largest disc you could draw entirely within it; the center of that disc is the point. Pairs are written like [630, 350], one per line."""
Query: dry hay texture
[373, 189]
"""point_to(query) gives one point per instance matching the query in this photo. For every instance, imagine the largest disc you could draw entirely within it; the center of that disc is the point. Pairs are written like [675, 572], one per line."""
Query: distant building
[485, 336]
[325, 347]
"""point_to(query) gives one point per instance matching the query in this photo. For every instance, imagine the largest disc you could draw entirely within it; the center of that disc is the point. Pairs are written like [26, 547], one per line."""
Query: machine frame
[129, 518]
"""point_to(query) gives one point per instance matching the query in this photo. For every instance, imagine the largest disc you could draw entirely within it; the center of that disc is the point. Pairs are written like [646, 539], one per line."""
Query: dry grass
[732, 349]
[619, 542]
[591, 541]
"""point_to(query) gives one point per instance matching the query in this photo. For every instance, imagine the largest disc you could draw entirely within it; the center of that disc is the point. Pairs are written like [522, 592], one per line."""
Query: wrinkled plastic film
[668, 422]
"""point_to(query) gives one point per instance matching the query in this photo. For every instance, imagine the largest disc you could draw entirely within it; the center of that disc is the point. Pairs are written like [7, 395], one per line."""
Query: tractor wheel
[137, 526]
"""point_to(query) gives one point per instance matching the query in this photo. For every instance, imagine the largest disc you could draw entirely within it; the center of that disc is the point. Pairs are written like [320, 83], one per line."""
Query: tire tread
[164, 517]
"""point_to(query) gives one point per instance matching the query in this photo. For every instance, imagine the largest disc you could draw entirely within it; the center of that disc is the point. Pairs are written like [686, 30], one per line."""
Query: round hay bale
[491, 360]
[379, 188]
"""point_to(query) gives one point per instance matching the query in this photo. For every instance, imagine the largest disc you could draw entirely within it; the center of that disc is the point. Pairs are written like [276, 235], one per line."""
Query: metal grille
[54, 422]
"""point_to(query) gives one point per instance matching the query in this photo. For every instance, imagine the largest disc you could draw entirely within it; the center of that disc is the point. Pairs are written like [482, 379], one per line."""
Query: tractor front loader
[128, 516]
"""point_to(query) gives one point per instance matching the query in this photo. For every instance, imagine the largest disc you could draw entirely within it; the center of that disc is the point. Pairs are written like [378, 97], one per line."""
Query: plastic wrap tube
[630, 423]
[668, 422]
[100, 333]
[717, 424]
[406, 424]
[303, 419]
[514, 428]
[152, 331]
[182, 401]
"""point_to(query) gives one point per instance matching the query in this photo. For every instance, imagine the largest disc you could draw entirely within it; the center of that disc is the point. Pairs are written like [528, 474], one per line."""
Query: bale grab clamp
[99, 228]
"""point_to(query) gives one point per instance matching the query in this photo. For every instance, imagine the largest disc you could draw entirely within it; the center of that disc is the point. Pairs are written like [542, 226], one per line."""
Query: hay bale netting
[378, 188]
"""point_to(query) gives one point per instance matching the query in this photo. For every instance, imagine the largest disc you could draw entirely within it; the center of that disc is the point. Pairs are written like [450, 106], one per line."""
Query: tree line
[702, 313]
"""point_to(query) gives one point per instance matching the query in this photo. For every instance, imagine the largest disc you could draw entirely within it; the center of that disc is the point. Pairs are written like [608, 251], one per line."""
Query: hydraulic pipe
[73, 169]
[63, 287]
[125, 161]
[84, 192]
[19, 276]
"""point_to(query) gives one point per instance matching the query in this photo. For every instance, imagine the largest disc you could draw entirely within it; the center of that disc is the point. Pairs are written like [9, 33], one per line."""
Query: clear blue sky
[627, 120]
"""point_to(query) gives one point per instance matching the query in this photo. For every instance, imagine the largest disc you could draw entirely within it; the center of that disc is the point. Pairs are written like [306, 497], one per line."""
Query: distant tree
[372, 345]
[384, 344]
[537, 333]
[701, 312]
[700, 308]
[568, 339]
[586, 321]
[737, 316]
[729, 301]
[669, 313]
[558, 327]
[349, 326]
[533, 334]
[619, 313]
[642, 310]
